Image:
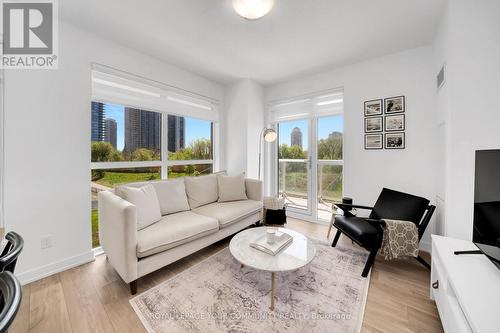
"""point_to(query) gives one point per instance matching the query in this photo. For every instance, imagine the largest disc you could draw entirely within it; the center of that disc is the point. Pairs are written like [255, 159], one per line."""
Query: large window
[132, 145]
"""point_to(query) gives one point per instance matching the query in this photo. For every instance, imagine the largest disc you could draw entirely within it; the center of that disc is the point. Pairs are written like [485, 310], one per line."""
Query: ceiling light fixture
[252, 9]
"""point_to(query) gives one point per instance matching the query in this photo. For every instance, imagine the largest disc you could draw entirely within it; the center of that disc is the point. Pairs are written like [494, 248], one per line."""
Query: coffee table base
[273, 288]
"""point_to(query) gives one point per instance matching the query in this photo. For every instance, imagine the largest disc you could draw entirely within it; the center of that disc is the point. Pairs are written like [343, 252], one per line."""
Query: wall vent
[440, 78]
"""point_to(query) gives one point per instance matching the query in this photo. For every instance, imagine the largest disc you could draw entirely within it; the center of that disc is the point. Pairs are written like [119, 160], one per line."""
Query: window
[144, 130]
[127, 146]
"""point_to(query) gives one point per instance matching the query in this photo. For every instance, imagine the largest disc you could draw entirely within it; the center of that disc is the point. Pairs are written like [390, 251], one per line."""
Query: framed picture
[373, 141]
[373, 124]
[394, 104]
[373, 108]
[395, 140]
[395, 123]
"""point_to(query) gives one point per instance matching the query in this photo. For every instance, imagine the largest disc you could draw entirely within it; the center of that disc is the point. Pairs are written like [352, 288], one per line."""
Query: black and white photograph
[373, 124]
[373, 107]
[395, 123]
[395, 140]
[394, 104]
[373, 141]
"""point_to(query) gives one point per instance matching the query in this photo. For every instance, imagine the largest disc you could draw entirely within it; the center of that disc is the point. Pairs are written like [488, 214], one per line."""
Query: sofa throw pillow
[201, 190]
[171, 196]
[146, 202]
[232, 188]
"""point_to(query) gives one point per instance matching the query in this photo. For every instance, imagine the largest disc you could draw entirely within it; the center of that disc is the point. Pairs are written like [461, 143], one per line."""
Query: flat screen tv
[487, 198]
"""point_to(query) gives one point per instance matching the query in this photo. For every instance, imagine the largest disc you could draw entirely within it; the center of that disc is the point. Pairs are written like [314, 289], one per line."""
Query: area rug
[218, 295]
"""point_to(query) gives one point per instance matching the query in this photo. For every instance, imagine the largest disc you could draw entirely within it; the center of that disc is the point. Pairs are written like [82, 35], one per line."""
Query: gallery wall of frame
[385, 123]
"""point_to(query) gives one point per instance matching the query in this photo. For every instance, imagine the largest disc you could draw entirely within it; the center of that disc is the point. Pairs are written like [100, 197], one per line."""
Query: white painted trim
[125, 165]
[2, 141]
[98, 251]
[56, 267]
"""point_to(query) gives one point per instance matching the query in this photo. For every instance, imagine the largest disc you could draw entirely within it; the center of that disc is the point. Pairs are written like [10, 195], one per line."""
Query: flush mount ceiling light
[252, 9]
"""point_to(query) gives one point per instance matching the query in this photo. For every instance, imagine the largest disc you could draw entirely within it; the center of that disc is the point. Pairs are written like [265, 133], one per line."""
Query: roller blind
[314, 105]
[141, 94]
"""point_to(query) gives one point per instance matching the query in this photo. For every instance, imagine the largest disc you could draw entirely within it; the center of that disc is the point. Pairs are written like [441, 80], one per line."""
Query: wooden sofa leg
[133, 287]
[369, 262]
[336, 239]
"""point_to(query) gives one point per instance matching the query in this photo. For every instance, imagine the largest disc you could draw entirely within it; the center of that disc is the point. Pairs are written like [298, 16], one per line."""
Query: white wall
[47, 146]
[468, 40]
[413, 169]
[244, 119]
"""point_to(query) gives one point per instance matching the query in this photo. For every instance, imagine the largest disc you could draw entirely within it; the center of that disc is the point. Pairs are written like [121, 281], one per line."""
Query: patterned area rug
[218, 295]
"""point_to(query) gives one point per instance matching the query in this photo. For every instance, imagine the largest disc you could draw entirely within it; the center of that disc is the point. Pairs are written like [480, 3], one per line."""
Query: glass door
[294, 164]
[310, 165]
[328, 164]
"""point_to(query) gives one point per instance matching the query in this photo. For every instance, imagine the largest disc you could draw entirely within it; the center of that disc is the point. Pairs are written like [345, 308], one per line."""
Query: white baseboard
[56, 267]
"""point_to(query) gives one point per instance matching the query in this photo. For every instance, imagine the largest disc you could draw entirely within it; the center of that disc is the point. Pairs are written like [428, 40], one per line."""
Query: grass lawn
[111, 179]
[95, 229]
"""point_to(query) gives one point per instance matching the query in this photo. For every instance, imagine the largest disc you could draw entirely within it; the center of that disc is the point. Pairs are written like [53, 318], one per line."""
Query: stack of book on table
[281, 241]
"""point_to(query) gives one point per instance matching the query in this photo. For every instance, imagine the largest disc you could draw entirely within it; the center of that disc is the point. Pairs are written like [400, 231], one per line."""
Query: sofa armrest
[118, 233]
[254, 189]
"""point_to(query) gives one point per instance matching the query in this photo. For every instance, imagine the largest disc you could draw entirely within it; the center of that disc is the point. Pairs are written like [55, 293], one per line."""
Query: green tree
[104, 152]
[202, 149]
[293, 152]
[330, 148]
[143, 154]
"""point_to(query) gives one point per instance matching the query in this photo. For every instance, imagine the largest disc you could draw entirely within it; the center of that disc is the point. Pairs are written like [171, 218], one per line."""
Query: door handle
[435, 285]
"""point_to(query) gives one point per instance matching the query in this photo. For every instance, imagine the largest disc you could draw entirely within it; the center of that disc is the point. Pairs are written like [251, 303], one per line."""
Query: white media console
[466, 287]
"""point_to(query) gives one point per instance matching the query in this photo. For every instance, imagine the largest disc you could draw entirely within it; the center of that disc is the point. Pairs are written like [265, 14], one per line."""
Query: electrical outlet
[46, 242]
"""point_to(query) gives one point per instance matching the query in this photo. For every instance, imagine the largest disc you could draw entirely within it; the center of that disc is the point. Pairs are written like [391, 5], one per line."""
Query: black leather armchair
[10, 299]
[368, 231]
[11, 251]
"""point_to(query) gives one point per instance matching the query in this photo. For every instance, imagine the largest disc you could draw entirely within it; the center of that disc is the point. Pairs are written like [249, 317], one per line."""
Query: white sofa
[135, 252]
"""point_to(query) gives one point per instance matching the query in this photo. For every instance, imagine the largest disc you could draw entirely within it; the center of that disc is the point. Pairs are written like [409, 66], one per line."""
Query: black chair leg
[369, 262]
[423, 262]
[336, 239]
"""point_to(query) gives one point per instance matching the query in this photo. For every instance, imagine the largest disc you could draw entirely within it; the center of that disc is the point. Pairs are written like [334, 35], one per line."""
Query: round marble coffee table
[296, 255]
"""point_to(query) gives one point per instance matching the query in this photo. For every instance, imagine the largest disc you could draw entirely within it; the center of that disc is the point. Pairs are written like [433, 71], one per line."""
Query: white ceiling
[298, 37]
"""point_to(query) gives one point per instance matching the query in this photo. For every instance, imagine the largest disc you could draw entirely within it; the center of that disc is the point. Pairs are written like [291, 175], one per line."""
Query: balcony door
[310, 165]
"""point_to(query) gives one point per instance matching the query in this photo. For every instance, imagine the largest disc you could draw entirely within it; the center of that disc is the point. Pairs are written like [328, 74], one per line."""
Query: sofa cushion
[173, 230]
[201, 190]
[146, 202]
[231, 188]
[229, 212]
[172, 196]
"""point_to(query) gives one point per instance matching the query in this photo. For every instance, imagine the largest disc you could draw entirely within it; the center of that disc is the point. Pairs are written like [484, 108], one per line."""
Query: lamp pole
[261, 137]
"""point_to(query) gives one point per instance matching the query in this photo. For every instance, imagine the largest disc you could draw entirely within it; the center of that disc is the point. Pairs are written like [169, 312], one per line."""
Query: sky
[194, 128]
[326, 125]
[197, 129]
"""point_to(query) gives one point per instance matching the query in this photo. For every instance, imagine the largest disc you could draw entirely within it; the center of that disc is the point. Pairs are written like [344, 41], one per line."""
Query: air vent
[440, 78]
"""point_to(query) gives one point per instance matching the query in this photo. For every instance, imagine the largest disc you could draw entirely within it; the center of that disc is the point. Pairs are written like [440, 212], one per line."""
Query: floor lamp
[269, 135]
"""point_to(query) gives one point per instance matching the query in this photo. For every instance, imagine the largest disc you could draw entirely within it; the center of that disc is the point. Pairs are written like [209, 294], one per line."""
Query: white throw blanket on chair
[400, 239]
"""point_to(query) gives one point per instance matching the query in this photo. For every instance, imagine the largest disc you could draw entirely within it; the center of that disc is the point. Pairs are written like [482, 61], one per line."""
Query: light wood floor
[93, 298]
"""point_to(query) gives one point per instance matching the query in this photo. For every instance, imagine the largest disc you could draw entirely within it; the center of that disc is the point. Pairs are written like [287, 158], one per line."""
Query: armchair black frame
[11, 251]
[10, 299]
[420, 213]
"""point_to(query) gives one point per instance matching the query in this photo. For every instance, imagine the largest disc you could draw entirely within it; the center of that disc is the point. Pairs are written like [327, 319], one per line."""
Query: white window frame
[164, 162]
[309, 107]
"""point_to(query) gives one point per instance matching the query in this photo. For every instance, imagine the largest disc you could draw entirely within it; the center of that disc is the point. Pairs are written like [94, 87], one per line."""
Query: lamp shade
[270, 135]
[252, 9]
